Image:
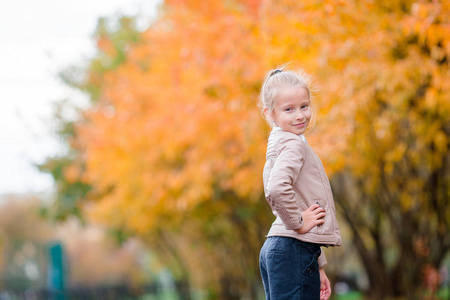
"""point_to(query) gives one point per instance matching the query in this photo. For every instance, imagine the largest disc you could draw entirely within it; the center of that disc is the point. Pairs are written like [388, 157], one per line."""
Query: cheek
[283, 117]
[308, 115]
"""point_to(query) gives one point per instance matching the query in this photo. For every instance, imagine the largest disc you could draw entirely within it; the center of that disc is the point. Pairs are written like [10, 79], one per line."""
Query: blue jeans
[289, 269]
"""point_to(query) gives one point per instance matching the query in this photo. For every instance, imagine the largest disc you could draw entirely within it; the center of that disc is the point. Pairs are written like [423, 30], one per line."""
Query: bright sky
[37, 40]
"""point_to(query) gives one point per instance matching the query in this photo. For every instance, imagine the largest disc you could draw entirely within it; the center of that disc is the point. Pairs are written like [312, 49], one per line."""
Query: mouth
[299, 125]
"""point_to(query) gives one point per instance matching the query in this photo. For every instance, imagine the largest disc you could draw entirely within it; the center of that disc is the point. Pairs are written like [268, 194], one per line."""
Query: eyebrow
[286, 105]
[301, 103]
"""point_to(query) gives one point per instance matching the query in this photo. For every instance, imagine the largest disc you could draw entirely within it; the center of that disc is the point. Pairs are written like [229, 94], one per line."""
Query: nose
[300, 116]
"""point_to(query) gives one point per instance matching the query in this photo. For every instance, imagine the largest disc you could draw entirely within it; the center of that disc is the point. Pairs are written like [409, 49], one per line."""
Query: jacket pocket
[327, 227]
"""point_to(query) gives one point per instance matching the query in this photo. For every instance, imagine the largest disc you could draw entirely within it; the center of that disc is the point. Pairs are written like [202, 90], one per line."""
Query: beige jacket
[294, 179]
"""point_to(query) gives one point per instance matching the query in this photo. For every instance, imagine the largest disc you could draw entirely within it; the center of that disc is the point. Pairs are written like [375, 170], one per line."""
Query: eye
[288, 109]
[305, 106]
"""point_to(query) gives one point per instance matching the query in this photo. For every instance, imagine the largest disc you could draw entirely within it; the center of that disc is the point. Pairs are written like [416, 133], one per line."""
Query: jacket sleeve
[322, 259]
[279, 191]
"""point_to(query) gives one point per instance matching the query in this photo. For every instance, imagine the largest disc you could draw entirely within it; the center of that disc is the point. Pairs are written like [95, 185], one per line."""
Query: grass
[350, 296]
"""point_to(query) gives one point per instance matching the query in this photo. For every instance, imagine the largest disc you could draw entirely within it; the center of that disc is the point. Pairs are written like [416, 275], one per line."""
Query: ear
[269, 117]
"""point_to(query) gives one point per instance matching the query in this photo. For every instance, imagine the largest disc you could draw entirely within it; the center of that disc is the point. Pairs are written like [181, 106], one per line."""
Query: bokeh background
[136, 170]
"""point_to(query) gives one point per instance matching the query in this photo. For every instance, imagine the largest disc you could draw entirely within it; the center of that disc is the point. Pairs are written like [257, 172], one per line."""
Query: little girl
[299, 193]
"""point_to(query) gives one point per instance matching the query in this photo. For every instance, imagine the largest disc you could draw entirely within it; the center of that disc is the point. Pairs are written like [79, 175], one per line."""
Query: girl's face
[292, 110]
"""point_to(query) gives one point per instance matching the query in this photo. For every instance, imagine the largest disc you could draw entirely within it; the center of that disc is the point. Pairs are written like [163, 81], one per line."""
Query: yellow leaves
[425, 11]
[105, 45]
[396, 153]
[177, 125]
[163, 138]
[441, 142]
[174, 144]
[431, 23]
[431, 98]
[72, 173]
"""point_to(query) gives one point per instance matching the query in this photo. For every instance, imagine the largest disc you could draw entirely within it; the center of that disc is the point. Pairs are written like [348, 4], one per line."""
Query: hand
[313, 216]
[325, 287]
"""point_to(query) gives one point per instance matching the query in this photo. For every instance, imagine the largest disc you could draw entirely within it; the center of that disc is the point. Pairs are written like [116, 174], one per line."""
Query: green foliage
[114, 37]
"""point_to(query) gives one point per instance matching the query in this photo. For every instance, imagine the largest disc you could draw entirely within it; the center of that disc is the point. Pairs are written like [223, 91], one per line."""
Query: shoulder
[292, 142]
[289, 138]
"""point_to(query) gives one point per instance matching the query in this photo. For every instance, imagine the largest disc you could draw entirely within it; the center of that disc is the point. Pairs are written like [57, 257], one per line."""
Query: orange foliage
[178, 122]
[177, 127]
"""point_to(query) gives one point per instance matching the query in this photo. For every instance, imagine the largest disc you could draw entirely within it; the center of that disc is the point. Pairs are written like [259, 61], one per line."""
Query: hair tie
[276, 71]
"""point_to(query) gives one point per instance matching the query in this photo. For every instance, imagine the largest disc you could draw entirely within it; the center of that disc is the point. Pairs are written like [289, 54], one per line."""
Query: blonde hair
[277, 79]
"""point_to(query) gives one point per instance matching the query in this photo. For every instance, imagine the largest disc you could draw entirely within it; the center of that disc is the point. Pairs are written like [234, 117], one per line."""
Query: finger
[324, 294]
[322, 289]
[327, 291]
[319, 221]
[316, 208]
[321, 215]
[313, 207]
[319, 209]
[327, 294]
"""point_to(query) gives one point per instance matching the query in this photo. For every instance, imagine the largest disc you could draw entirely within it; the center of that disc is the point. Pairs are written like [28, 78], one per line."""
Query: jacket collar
[276, 128]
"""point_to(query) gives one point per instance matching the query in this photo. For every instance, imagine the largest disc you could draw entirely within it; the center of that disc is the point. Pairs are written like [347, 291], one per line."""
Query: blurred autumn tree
[172, 146]
[148, 148]
[383, 126]
[25, 237]
[22, 243]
